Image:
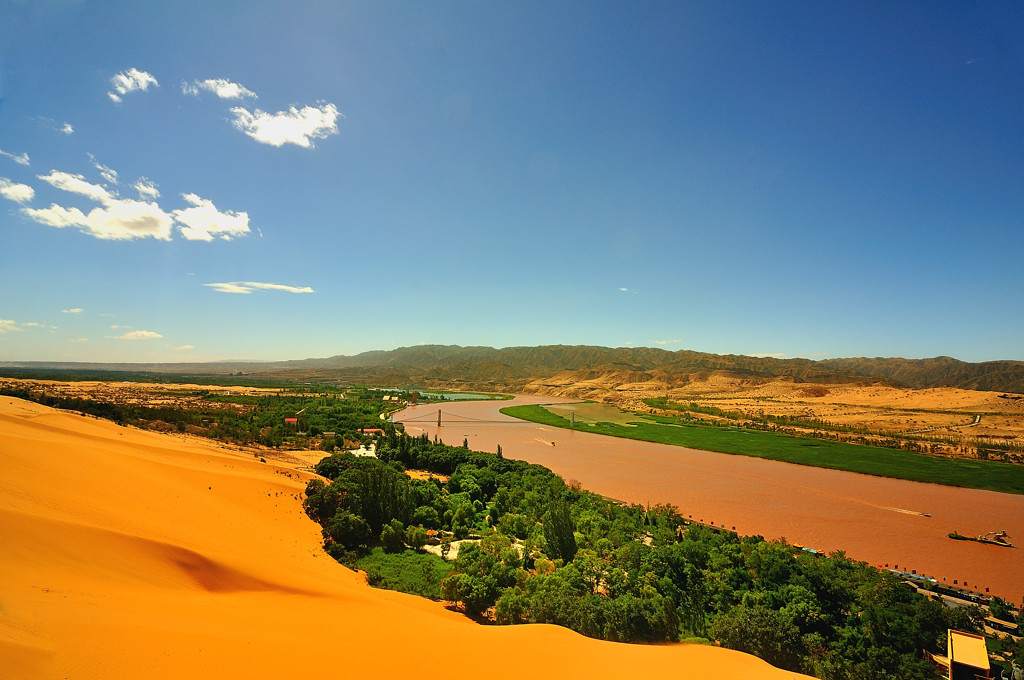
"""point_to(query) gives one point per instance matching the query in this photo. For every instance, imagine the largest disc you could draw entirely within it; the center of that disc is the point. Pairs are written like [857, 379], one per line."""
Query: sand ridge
[131, 554]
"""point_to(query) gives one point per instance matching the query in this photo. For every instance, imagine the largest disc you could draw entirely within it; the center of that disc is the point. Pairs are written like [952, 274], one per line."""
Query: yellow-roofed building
[967, 657]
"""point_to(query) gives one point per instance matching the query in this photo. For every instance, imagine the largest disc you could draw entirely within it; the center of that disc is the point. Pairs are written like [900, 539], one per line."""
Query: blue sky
[254, 180]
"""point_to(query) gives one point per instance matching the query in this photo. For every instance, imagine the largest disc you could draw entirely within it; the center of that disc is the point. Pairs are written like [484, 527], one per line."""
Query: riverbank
[886, 522]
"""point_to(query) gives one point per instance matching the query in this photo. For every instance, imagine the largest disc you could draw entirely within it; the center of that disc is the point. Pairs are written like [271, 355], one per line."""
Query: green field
[869, 460]
[408, 571]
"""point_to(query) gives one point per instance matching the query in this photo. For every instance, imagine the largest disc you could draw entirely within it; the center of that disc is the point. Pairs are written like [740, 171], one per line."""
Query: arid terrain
[939, 420]
[144, 555]
[945, 420]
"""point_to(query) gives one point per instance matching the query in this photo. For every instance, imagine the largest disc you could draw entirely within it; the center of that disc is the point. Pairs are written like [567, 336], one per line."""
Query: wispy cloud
[146, 188]
[246, 287]
[183, 348]
[9, 326]
[225, 89]
[203, 222]
[626, 290]
[107, 173]
[79, 340]
[294, 126]
[668, 342]
[19, 193]
[19, 158]
[73, 310]
[131, 80]
[64, 129]
[136, 335]
[769, 355]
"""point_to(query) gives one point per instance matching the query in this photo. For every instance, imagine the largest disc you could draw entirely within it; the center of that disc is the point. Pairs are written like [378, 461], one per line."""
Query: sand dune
[129, 554]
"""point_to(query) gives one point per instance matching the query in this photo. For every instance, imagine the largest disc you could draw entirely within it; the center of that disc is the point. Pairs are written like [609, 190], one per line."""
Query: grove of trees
[549, 553]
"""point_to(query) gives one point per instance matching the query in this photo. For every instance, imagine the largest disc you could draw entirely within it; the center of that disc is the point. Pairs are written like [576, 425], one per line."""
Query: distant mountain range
[514, 367]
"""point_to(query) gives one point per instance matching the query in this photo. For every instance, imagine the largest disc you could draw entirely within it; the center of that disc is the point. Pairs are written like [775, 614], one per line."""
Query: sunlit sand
[130, 554]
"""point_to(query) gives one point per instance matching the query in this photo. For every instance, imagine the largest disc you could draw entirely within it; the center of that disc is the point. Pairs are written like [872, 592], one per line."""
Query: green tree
[348, 530]
[559, 532]
[391, 537]
[762, 632]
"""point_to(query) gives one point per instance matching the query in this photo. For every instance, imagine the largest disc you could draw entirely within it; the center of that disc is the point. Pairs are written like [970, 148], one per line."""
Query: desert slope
[129, 554]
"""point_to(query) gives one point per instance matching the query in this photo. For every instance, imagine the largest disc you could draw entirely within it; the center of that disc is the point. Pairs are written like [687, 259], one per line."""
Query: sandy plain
[132, 554]
[952, 421]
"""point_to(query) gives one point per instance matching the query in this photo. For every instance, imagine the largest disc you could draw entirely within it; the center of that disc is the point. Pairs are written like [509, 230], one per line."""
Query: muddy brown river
[881, 521]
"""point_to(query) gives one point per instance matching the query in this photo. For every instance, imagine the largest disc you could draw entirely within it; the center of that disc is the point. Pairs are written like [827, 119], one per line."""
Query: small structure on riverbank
[966, 657]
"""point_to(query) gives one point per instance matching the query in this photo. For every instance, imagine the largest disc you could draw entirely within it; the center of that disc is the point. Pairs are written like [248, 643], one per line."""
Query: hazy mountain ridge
[514, 367]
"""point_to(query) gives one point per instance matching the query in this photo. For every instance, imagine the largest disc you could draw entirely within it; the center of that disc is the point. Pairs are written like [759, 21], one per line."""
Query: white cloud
[123, 219]
[225, 89]
[67, 129]
[667, 342]
[77, 184]
[131, 80]
[20, 159]
[246, 287]
[203, 222]
[294, 126]
[73, 310]
[8, 326]
[183, 348]
[119, 219]
[19, 193]
[108, 174]
[146, 188]
[115, 327]
[136, 335]
[80, 340]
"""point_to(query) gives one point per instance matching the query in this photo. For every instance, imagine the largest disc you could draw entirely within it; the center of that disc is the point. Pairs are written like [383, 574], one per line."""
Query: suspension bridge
[443, 417]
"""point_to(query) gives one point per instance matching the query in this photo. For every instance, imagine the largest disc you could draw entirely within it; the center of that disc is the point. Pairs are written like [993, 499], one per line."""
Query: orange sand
[130, 554]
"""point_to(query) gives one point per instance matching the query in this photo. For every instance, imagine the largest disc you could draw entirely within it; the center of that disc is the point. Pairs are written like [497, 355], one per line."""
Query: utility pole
[439, 417]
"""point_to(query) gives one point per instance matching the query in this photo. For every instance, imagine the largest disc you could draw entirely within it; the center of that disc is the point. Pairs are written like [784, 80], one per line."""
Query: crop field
[824, 453]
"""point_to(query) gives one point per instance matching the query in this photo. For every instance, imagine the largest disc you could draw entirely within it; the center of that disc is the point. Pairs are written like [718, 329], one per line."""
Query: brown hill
[512, 368]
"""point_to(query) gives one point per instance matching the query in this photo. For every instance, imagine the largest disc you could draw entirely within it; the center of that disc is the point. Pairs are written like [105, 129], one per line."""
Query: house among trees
[967, 657]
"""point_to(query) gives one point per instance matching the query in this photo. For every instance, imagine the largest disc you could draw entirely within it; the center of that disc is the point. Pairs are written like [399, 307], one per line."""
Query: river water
[880, 521]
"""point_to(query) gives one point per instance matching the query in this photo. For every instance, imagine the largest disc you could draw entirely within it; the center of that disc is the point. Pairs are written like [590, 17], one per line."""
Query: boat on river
[999, 538]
